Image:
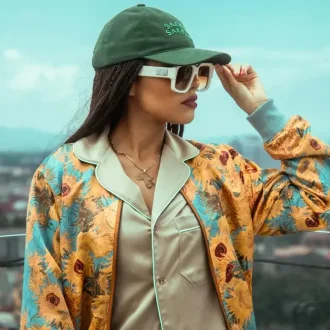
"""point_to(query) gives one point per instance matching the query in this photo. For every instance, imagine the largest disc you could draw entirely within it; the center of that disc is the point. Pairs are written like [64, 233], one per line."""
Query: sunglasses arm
[158, 72]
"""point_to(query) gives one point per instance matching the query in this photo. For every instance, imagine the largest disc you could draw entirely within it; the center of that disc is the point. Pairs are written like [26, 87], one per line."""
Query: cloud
[31, 88]
[12, 54]
[49, 82]
[31, 77]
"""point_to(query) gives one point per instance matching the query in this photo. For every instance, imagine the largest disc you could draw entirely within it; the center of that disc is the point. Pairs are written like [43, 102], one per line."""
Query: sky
[46, 51]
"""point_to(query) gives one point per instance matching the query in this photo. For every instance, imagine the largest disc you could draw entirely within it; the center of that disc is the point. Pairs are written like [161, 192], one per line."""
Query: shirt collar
[91, 149]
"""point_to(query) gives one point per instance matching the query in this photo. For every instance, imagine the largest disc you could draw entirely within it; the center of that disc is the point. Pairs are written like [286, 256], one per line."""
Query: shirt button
[162, 281]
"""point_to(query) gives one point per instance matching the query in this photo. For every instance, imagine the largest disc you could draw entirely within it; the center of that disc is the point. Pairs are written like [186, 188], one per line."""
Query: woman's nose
[195, 83]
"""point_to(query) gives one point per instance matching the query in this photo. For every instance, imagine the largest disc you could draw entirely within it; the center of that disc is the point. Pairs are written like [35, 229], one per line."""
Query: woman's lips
[191, 102]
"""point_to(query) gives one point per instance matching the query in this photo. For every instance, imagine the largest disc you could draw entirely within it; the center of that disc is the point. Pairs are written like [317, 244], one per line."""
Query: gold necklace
[143, 176]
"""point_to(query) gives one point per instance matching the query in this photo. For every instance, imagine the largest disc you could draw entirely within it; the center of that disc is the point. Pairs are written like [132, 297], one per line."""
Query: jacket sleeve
[296, 197]
[43, 303]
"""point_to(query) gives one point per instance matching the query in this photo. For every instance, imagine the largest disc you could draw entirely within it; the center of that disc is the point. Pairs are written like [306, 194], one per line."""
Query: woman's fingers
[226, 77]
[240, 69]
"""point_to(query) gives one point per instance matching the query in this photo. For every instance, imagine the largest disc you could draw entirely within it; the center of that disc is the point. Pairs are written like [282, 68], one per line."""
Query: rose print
[312, 222]
[65, 189]
[78, 267]
[224, 157]
[233, 153]
[53, 299]
[220, 250]
[315, 144]
[229, 272]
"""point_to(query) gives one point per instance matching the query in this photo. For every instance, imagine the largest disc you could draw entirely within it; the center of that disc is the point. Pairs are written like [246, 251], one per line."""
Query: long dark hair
[109, 97]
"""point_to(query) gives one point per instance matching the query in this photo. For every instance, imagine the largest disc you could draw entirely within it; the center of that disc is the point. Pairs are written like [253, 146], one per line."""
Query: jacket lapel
[173, 172]
[109, 172]
[112, 177]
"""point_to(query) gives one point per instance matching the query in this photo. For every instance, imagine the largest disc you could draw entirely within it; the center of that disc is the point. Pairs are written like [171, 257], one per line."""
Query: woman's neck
[140, 138]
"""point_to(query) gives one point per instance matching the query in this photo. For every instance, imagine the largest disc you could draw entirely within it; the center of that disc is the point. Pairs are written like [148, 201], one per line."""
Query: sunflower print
[73, 221]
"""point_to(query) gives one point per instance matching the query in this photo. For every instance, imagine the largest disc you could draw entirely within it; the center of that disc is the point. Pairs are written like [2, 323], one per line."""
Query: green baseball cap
[149, 33]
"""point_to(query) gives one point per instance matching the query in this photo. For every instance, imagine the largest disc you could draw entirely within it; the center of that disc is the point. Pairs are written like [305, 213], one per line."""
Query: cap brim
[188, 56]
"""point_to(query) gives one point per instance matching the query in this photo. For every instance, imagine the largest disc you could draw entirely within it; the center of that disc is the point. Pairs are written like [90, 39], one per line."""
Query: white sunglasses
[182, 76]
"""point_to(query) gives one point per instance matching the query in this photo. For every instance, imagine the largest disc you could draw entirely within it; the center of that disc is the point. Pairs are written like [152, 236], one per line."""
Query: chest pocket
[193, 256]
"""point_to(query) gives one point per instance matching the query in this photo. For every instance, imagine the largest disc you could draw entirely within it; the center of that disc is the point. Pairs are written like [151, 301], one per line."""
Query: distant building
[251, 147]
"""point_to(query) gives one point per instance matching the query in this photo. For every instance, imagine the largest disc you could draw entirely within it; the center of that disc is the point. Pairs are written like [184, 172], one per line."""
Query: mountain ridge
[26, 140]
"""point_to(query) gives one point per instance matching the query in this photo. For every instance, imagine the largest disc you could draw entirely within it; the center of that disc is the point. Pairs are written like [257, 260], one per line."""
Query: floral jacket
[73, 221]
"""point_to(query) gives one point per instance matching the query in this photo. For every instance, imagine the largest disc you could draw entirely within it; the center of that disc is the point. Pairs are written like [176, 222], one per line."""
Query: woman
[132, 227]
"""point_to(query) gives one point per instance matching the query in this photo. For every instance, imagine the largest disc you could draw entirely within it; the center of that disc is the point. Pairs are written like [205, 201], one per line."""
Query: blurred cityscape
[298, 297]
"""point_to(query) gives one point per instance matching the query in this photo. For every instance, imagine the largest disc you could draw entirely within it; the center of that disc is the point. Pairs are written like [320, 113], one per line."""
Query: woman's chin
[185, 118]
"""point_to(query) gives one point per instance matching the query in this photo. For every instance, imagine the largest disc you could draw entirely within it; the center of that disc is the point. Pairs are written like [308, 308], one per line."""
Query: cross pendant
[148, 181]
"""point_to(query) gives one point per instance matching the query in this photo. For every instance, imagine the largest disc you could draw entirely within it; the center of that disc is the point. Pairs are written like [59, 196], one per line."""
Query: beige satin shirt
[163, 280]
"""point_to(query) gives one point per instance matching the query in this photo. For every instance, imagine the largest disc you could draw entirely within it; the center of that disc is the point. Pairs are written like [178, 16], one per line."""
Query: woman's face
[153, 96]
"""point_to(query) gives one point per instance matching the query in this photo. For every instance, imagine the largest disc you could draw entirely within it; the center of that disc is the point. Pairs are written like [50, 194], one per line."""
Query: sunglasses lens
[203, 76]
[183, 77]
